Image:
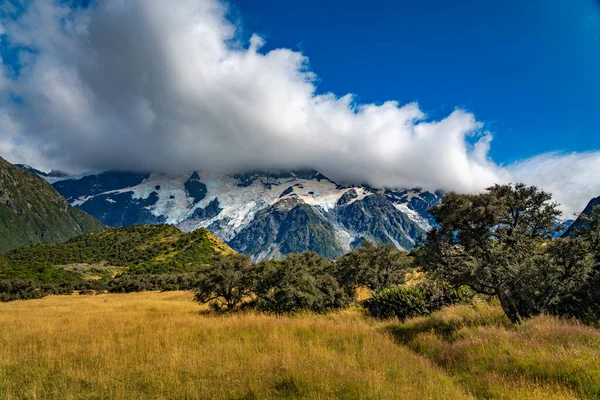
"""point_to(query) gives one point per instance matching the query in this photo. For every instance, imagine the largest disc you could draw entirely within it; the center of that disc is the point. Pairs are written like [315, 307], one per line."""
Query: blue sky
[530, 70]
[238, 85]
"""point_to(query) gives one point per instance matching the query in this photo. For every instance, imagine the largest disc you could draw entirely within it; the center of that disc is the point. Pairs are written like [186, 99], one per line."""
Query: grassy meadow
[542, 358]
[164, 345]
[158, 345]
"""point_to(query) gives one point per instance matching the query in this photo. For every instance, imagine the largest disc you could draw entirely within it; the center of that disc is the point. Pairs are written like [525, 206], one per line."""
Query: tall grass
[158, 345]
[543, 358]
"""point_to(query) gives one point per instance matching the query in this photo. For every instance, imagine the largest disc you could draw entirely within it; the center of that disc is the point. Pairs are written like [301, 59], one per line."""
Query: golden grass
[87, 270]
[158, 345]
[219, 245]
[543, 358]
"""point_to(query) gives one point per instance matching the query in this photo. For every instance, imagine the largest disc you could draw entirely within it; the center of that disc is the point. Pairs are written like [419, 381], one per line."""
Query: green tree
[299, 282]
[374, 266]
[499, 243]
[580, 253]
[227, 282]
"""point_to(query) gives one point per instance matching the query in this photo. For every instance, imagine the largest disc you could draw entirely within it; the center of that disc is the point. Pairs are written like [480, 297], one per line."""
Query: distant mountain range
[264, 215]
[31, 211]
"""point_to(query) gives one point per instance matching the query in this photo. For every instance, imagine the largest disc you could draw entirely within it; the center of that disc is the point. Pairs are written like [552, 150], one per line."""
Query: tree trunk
[509, 307]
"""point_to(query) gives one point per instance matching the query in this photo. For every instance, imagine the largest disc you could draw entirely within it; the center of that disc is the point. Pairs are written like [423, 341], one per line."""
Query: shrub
[374, 266]
[125, 283]
[442, 294]
[227, 283]
[19, 289]
[300, 282]
[399, 302]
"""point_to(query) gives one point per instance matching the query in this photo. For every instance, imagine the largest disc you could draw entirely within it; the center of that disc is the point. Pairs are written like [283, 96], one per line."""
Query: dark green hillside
[31, 211]
[141, 248]
[39, 273]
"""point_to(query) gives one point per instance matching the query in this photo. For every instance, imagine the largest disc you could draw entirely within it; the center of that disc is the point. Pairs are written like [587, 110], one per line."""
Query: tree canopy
[500, 242]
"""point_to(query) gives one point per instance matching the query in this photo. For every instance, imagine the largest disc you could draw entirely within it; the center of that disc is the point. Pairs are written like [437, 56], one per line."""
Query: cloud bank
[161, 86]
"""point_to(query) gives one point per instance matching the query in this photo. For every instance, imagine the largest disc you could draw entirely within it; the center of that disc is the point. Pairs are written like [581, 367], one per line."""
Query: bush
[399, 302]
[374, 266]
[227, 283]
[19, 289]
[125, 283]
[300, 282]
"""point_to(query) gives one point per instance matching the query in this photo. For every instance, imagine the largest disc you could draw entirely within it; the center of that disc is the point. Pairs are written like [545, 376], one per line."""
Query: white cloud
[156, 85]
[573, 178]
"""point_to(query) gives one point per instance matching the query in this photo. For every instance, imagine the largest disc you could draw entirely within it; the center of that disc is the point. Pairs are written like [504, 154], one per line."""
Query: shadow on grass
[494, 358]
[447, 322]
[407, 332]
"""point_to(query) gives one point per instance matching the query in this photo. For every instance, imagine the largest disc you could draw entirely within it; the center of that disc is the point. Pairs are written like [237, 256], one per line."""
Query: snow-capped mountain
[261, 214]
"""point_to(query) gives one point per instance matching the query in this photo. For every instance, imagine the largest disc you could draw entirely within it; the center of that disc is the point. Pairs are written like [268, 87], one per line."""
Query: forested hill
[32, 211]
[140, 248]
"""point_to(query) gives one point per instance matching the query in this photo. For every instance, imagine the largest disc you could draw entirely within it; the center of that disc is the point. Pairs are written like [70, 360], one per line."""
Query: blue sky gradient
[530, 70]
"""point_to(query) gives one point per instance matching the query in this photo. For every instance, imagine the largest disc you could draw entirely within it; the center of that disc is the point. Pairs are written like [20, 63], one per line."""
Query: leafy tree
[580, 253]
[374, 266]
[498, 243]
[227, 282]
[441, 294]
[299, 282]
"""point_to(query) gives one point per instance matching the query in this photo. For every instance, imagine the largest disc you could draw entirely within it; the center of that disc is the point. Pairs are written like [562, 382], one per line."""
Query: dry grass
[544, 358]
[158, 345]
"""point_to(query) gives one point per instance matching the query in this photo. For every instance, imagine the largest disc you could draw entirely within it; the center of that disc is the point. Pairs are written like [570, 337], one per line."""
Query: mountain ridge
[32, 211]
[248, 211]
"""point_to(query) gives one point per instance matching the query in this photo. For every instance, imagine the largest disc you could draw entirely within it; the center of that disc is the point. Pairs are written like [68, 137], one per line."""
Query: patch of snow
[413, 215]
[80, 200]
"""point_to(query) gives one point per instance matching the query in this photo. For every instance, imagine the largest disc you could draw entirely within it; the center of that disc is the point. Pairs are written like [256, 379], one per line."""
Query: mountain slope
[376, 217]
[31, 211]
[140, 249]
[261, 214]
[288, 226]
[579, 221]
